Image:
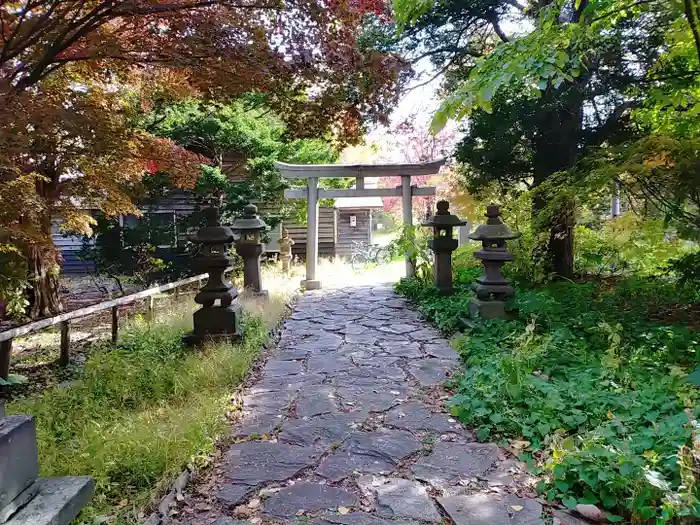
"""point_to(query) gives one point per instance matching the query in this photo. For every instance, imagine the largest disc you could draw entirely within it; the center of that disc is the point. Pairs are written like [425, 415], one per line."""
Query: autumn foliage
[77, 78]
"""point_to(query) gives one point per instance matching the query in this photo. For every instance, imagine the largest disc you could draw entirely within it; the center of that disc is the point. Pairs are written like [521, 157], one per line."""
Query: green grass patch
[594, 385]
[141, 411]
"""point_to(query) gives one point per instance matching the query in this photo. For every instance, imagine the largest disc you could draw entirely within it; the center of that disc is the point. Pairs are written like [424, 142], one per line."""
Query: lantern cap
[494, 229]
[249, 221]
[443, 218]
[213, 232]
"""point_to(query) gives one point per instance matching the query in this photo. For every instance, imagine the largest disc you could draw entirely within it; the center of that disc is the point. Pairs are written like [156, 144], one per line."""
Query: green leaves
[604, 436]
[407, 12]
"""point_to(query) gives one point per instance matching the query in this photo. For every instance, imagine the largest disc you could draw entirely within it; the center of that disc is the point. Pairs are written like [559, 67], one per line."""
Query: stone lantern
[492, 289]
[443, 244]
[249, 246]
[223, 320]
[286, 243]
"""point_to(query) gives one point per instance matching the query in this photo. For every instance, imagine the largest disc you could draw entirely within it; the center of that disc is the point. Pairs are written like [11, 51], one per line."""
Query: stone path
[346, 426]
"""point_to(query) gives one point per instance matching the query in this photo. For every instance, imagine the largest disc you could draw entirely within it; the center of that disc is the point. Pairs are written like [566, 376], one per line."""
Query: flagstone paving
[346, 425]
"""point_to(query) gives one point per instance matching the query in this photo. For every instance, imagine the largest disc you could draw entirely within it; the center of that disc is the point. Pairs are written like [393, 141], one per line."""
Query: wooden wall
[347, 234]
[327, 234]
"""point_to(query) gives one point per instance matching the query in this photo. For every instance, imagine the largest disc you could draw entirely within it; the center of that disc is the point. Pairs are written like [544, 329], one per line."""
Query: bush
[686, 268]
[625, 245]
[595, 392]
[140, 412]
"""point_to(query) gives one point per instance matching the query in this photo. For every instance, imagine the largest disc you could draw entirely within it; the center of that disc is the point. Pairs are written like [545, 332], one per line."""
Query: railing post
[64, 358]
[115, 324]
[150, 309]
[5, 356]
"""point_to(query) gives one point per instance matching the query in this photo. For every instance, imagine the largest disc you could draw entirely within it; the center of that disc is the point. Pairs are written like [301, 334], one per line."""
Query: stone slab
[282, 368]
[19, 466]
[328, 364]
[402, 349]
[431, 372]
[369, 452]
[370, 393]
[403, 498]
[316, 403]
[20, 501]
[449, 463]
[490, 509]
[426, 334]
[441, 350]
[416, 417]
[256, 463]
[307, 498]
[341, 465]
[321, 431]
[58, 501]
[399, 328]
[232, 495]
[360, 518]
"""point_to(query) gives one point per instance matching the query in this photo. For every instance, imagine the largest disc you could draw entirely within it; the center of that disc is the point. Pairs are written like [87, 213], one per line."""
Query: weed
[594, 384]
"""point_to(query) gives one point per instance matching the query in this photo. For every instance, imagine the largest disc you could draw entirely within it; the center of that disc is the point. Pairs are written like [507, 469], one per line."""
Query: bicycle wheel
[358, 261]
[383, 256]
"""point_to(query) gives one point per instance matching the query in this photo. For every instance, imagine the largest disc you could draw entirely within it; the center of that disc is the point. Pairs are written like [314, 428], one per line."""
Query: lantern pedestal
[443, 244]
[215, 324]
[250, 247]
[252, 278]
[492, 289]
[311, 284]
[220, 322]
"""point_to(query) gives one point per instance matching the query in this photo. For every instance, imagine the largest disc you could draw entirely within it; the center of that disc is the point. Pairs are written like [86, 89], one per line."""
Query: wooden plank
[64, 358]
[115, 324]
[89, 310]
[5, 357]
[306, 171]
[367, 192]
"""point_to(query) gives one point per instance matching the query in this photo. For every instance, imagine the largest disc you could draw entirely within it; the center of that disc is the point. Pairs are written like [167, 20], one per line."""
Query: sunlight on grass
[140, 412]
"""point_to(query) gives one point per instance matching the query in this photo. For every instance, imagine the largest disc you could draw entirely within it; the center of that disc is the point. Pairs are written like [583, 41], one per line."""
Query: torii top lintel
[307, 171]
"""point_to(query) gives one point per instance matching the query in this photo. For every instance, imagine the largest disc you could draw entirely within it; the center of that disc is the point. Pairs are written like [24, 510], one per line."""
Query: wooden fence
[64, 320]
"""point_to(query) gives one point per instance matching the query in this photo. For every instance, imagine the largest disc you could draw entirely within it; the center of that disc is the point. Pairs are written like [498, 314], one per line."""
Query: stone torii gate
[312, 172]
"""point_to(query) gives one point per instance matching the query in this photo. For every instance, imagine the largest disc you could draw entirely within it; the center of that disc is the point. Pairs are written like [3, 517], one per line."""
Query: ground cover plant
[592, 383]
[141, 411]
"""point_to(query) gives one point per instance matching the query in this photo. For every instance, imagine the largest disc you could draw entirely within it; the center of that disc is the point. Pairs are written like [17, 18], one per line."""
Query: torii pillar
[313, 172]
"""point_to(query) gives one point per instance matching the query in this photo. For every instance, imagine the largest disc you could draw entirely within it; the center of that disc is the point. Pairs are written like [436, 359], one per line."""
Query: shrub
[595, 392]
[626, 245]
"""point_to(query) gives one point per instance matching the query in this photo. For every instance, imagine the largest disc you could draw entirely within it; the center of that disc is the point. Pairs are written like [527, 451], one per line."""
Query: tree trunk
[556, 151]
[44, 262]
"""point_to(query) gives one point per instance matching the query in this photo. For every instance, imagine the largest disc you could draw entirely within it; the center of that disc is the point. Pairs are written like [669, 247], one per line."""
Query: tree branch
[693, 22]
[497, 28]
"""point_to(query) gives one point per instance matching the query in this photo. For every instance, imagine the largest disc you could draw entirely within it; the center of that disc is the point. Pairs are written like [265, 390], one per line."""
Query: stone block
[58, 501]
[311, 284]
[488, 309]
[19, 466]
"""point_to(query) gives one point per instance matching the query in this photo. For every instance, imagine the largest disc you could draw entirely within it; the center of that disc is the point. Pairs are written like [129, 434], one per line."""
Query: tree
[541, 100]
[241, 144]
[75, 76]
[415, 143]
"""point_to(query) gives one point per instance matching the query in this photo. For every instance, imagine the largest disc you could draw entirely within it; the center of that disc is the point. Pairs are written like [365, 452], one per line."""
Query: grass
[592, 385]
[141, 411]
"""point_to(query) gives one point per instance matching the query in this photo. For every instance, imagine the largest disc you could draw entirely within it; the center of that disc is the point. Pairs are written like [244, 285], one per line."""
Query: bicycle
[363, 253]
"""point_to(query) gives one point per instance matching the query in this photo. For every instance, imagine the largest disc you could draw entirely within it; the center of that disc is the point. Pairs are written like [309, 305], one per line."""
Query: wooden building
[354, 222]
[337, 229]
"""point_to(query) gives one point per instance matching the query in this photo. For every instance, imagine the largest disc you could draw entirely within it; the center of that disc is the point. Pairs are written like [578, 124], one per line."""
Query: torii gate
[313, 172]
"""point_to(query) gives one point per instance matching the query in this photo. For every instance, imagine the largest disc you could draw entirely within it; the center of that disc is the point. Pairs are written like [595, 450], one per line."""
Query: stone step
[57, 502]
[19, 467]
